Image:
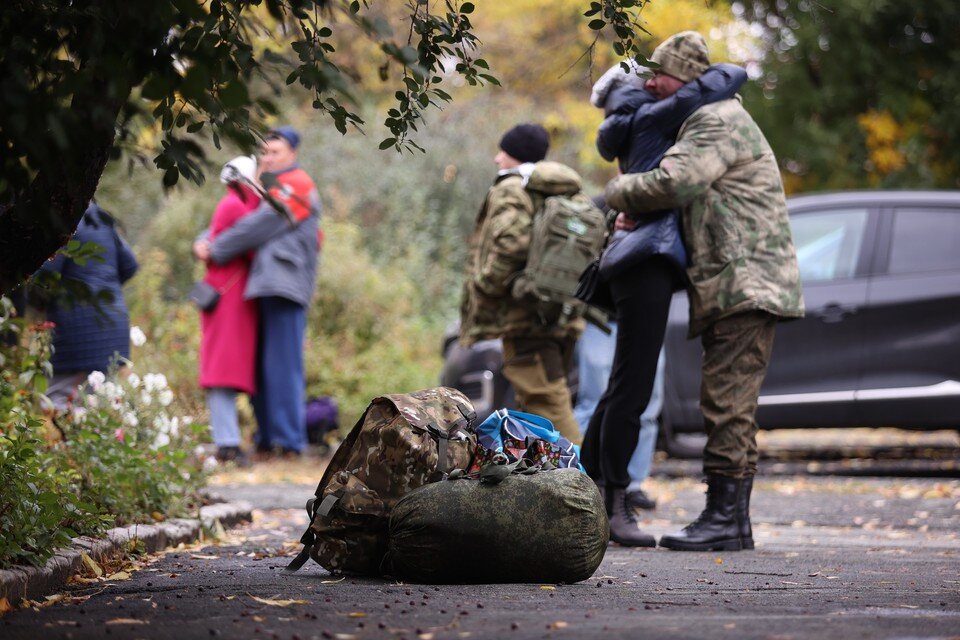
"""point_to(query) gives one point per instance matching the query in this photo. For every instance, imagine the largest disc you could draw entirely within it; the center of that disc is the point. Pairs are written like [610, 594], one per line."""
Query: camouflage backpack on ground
[401, 442]
[569, 233]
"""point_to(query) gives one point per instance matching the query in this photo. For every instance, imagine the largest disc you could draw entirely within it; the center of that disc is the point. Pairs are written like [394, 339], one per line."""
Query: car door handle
[834, 312]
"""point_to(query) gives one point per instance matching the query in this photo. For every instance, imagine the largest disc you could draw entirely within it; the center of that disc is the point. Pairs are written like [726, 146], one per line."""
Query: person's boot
[724, 525]
[638, 499]
[743, 513]
[623, 521]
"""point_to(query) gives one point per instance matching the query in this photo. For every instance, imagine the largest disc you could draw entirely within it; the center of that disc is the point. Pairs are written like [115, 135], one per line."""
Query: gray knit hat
[683, 56]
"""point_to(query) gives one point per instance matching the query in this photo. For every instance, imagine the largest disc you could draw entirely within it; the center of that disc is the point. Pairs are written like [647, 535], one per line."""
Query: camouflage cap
[683, 56]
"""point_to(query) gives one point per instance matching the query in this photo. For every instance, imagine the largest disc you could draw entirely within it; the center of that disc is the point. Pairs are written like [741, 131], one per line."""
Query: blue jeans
[595, 359]
[223, 416]
[279, 401]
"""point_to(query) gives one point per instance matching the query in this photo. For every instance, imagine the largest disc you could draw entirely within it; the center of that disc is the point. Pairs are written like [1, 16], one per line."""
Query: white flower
[162, 423]
[175, 427]
[112, 391]
[199, 451]
[166, 397]
[146, 398]
[96, 380]
[93, 402]
[79, 413]
[130, 419]
[209, 464]
[134, 380]
[155, 381]
[161, 440]
[137, 337]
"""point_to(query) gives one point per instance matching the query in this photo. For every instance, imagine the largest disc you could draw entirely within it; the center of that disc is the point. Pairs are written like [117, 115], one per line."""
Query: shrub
[118, 456]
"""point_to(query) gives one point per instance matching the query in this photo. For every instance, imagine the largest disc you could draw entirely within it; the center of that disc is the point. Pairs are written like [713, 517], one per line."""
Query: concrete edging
[25, 582]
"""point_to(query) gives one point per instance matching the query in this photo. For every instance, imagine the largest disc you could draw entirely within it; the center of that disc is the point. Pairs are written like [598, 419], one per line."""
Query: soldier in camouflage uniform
[536, 352]
[743, 277]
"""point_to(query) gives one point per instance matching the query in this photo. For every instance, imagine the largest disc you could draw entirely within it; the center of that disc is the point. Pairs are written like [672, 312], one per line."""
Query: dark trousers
[279, 401]
[642, 297]
[736, 352]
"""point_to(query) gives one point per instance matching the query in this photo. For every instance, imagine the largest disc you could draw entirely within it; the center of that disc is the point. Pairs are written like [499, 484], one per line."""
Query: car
[880, 342]
[879, 345]
[476, 371]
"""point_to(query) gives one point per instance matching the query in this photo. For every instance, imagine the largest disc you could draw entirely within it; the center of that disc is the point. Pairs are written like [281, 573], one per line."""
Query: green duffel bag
[548, 526]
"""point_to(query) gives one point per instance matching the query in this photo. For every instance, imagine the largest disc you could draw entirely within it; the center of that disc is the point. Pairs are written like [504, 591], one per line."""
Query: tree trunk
[42, 220]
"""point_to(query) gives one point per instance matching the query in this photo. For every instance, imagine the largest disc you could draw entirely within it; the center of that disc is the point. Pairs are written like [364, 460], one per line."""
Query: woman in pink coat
[228, 345]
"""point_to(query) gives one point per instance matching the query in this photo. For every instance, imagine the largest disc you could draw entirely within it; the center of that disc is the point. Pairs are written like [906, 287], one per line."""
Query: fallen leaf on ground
[333, 581]
[258, 619]
[547, 587]
[559, 624]
[278, 603]
[126, 621]
[91, 564]
[119, 575]
[356, 614]
[719, 560]
[5, 606]
[198, 556]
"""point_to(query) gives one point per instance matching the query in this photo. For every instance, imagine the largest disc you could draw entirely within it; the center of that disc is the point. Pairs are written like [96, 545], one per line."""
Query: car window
[925, 240]
[828, 242]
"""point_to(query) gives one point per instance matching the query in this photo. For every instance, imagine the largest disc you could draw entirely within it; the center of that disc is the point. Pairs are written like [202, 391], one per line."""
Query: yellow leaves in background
[883, 134]
[710, 18]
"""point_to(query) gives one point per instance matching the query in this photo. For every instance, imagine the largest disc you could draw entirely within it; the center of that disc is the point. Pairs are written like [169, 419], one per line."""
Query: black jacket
[639, 129]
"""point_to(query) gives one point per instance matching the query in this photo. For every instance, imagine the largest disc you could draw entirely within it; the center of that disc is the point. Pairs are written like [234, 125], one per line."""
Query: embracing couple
[261, 252]
[694, 165]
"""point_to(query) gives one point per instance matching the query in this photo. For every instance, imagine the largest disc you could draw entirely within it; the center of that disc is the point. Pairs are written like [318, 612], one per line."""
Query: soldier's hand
[624, 222]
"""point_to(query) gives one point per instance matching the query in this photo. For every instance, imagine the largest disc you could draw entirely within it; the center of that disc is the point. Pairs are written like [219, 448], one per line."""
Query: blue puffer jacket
[87, 338]
[637, 132]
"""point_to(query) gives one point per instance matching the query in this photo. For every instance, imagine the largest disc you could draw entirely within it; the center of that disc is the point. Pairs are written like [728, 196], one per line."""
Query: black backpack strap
[299, 561]
[309, 537]
[442, 456]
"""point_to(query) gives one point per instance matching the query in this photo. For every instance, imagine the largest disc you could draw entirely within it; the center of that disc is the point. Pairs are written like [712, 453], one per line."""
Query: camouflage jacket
[723, 175]
[496, 257]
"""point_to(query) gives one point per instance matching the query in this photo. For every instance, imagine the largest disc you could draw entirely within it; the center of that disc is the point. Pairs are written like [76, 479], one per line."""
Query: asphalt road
[835, 558]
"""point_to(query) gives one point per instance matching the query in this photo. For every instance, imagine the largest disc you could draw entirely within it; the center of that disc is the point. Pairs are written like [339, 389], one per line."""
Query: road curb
[24, 582]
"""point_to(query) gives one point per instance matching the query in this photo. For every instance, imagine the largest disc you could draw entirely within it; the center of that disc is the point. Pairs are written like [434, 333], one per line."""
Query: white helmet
[240, 169]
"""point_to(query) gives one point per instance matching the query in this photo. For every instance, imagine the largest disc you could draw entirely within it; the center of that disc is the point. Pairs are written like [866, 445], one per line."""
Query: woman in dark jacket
[89, 337]
[643, 266]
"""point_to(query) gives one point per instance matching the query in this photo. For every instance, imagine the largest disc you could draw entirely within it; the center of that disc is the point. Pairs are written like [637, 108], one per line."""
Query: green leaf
[234, 94]
[597, 24]
[170, 177]
[386, 143]
[467, 7]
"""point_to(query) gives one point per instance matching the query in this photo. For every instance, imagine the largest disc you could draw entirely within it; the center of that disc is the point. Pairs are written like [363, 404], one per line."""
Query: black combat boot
[638, 499]
[724, 525]
[743, 513]
[623, 521]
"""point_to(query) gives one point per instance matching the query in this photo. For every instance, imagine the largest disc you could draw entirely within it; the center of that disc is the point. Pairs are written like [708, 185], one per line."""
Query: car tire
[685, 446]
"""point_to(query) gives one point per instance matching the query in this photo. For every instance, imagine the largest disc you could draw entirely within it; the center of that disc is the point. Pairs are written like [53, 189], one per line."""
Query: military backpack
[569, 233]
[401, 442]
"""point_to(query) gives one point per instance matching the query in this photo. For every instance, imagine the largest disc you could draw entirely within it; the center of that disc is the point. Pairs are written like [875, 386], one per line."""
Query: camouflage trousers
[537, 369]
[736, 352]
